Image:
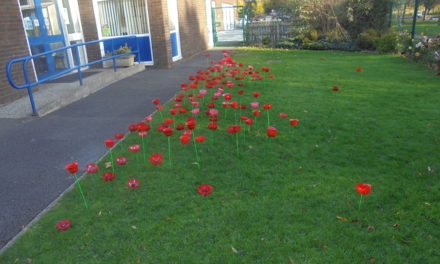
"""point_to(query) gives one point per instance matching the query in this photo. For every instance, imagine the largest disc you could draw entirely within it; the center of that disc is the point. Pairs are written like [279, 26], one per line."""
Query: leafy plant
[387, 42]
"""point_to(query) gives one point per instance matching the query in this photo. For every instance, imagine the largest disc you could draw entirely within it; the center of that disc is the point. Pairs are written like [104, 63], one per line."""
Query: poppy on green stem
[156, 159]
[133, 183]
[108, 176]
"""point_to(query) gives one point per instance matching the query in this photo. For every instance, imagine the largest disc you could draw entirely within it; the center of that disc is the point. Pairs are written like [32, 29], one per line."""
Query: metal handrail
[28, 85]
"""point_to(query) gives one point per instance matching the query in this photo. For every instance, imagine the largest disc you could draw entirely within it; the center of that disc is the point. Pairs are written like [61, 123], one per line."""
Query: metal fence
[275, 31]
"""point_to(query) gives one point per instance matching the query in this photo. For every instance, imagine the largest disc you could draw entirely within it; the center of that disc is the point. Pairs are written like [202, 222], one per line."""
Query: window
[122, 17]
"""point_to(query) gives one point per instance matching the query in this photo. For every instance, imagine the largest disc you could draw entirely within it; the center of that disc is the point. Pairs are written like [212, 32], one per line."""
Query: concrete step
[57, 94]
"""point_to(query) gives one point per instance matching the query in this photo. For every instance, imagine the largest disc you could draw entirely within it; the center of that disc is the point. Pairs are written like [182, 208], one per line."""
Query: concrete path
[34, 151]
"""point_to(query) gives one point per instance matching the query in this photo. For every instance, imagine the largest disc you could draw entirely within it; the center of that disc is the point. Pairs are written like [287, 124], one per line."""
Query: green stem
[195, 148]
[82, 194]
[244, 135]
[111, 157]
[235, 116]
[225, 112]
[236, 141]
[270, 139]
[212, 136]
[268, 119]
[137, 162]
[184, 152]
[293, 132]
[169, 150]
[143, 149]
[360, 202]
[163, 120]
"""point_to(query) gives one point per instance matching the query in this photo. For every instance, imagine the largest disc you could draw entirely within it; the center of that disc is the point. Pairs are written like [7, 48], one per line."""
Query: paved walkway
[34, 151]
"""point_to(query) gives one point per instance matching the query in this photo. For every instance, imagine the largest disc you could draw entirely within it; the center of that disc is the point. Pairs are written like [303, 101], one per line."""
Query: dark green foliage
[365, 14]
[387, 42]
[367, 40]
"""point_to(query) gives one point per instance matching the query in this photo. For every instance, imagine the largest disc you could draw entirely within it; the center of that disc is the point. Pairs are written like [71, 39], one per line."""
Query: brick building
[165, 30]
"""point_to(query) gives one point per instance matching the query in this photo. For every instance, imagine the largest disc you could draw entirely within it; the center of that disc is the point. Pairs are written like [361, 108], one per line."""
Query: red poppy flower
[267, 106]
[134, 148]
[322, 58]
[271, 76]
[119, 136]
[293, 122]
[283, 115]
[142, 134]
[241, 64]
[109, 143]
[182, 110]
[72, 167]
[256, 112]
[184, 139]
[271, 131]
[225, 104]
[195, 104]
[249, 122]
[207, 55]
[213, 118]
[156, 159]
[173, 111]
[363, 188]
[237, 128]
[241, 92]
[148, 118]
[256, 94]
[161, 127]
[91, 168]
[108, 176]
[240, 85]
[132, 127]
[227, 97]
[156, 101]
[121, 160]
[168, 131]
[214, 98]
[193, 86]
[159, 108]
[187, 133]
[199, 96]
[141, 127]
[244, 118]
[231, 129]
[191, 124]
[212, 126]
[63, 225]
[234, 105]
[200, 138]
[335, 88]
[211, 105]
[359, 69]
[169, 121]
[180, 127]
[133, 183]
[205, 189]
[243, 106]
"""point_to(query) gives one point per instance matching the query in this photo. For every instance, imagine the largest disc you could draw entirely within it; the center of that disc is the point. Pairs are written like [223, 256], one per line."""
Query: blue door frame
[45, 40]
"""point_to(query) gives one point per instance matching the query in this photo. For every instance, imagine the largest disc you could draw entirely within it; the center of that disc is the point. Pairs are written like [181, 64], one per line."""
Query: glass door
[72, 27]
[44, 32]
[173, 20]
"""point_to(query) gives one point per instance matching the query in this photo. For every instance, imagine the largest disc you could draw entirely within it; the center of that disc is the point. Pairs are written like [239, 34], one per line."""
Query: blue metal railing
[28, 85]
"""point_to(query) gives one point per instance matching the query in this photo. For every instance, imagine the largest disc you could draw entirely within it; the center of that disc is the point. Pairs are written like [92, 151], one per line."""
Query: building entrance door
[44, 31]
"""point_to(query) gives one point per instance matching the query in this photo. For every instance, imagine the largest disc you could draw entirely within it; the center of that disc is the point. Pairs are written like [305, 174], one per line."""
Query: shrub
[367, 39]
[266, 41]
[313, 35]
[387, 42]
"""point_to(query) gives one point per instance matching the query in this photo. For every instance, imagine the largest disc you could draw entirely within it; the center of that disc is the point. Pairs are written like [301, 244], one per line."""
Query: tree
[428, 4]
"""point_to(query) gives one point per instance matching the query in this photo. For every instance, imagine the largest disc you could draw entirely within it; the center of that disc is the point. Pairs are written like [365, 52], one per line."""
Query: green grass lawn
[426, 28]
[277, 204]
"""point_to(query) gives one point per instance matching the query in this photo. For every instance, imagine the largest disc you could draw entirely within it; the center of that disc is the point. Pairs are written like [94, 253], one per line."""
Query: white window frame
[100, 36]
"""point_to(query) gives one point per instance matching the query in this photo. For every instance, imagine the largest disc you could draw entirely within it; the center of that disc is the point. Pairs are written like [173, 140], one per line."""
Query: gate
[229, 24]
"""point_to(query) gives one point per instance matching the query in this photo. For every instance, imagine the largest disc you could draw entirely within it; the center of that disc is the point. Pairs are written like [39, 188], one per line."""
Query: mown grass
[426, 28]
[276, 204]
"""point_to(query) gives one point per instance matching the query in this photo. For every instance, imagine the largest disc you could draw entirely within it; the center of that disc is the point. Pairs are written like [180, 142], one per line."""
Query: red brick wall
[159, 33]
[193, 27]
[89, 29]
[13, 44]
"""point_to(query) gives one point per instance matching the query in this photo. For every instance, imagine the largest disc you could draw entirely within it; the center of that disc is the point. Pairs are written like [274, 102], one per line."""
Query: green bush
[367, 40]
[387, 42]
[403, 44]
[266, 41]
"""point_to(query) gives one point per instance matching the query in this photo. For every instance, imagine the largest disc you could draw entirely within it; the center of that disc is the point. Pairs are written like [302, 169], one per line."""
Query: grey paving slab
[35, 150]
